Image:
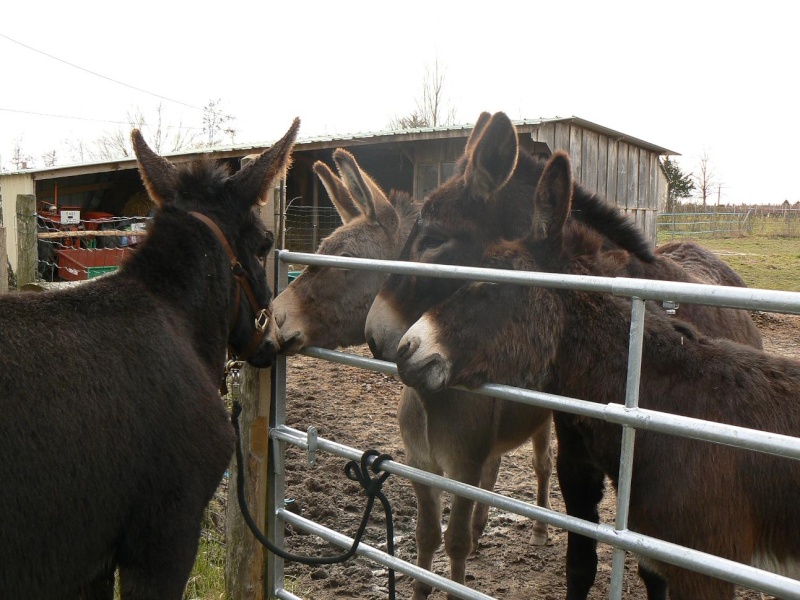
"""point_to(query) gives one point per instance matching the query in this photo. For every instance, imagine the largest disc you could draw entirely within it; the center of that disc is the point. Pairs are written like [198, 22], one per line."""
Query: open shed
[109, 195]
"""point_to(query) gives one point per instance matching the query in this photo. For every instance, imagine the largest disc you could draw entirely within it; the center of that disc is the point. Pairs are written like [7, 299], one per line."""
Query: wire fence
[84, 245]
[770, 221]
[307, 226]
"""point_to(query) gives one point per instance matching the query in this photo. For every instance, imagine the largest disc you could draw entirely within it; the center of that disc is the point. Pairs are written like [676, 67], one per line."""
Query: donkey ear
[477, 129]
[254, 180]
[339, 195]
[553, 198]
[493, 156]
[158, 174]
[367, 194]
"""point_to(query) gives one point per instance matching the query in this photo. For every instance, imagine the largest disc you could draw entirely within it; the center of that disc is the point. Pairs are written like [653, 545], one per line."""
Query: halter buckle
[233, 370]
[262, 320]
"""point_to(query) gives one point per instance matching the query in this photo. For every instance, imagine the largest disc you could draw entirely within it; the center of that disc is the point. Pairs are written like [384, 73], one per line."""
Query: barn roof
[333, 141]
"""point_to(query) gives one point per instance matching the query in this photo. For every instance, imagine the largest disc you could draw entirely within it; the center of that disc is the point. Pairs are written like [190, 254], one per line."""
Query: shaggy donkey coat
[113, 435]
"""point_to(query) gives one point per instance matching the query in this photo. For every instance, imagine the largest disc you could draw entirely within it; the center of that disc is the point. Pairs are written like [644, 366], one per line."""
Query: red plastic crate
[76, 264]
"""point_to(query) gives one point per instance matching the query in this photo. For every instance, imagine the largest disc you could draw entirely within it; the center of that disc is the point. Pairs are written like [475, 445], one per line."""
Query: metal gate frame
[629, 415]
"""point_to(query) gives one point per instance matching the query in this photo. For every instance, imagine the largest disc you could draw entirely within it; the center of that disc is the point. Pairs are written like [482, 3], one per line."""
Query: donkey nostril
[407, 347]
[280, 317]
[373, 347]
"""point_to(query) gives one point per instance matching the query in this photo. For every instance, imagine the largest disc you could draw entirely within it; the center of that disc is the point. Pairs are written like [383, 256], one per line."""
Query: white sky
[693, 77]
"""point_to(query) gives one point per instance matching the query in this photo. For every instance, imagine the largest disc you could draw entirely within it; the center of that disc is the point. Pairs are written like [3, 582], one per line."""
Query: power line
[133, 87]
[38, 114]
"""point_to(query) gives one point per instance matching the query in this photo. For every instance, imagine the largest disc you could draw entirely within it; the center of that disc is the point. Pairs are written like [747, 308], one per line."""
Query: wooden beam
[27, 253]
[75, 189]
[82, 233]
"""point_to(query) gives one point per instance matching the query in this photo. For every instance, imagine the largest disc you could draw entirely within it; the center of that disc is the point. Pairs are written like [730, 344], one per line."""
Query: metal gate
[629, 415]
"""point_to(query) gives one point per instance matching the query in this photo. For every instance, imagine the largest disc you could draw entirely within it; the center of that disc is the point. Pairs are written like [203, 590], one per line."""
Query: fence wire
[86, 248]
[758, 220]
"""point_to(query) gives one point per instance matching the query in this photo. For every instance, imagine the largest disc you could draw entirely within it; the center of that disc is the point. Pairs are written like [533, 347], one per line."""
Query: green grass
[771, 263]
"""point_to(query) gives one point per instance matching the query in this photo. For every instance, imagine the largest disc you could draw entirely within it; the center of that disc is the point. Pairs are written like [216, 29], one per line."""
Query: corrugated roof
[331, 141]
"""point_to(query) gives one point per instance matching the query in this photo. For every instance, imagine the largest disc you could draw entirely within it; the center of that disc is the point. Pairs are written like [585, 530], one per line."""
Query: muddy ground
[359, 408]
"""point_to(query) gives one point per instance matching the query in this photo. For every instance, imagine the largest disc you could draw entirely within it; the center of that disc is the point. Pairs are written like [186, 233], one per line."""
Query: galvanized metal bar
[636, 543]
[285, 595]
[372, 553]
[628, 435]
[647, 289]
[641, 418]
[276, 483]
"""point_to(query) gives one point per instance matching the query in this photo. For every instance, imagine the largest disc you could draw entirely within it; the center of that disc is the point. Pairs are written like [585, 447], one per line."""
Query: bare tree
[19, 158]
[432, 108]
[160, 136]
[704, 178]
[49, 158]
[214, 120]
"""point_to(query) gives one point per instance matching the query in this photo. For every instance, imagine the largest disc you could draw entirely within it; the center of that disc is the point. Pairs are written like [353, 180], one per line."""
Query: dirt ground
[359, 408]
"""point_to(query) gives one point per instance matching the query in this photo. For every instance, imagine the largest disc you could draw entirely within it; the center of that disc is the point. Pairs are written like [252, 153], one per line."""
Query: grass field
[771, 263]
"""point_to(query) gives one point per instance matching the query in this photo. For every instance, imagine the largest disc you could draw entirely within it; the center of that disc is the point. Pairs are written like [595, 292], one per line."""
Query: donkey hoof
[539, 538]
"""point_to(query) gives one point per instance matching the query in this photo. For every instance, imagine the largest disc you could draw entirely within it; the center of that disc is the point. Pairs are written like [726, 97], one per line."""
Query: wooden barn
[61, 200]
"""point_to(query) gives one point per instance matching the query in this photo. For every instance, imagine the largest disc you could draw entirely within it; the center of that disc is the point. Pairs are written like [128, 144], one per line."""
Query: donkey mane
[589, 208]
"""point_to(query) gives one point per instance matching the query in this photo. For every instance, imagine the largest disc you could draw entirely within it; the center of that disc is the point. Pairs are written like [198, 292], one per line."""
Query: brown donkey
[327, 307]
[457, 223]
[726, 501]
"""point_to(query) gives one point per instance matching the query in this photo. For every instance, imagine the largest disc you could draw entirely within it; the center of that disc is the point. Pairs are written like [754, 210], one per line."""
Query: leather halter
[263, 315]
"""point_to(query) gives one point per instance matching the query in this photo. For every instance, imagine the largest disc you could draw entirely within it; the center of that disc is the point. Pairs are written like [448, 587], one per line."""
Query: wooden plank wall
[625, 174]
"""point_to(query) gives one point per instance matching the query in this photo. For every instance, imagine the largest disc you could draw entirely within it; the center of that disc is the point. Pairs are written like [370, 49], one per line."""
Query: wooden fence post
[245, 568]
[27, 256]
[3, 260]
[3, 253]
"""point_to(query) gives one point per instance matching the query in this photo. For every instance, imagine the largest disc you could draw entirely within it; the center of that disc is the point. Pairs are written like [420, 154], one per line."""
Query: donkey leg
[654, 583]
[480, 514]
[687, 585]
[429, 533]
[102, 588]
[582, 488]
[159, 548]
[543, 467]
[457, 536]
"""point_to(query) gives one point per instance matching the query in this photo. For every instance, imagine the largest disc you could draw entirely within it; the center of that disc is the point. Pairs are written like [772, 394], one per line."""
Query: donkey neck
[184, 267]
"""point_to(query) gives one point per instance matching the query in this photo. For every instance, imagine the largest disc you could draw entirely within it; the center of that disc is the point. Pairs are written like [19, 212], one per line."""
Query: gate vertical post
[628, 434]
[27, 255]
[245, 566]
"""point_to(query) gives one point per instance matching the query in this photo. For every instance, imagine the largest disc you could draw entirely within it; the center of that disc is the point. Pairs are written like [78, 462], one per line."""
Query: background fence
[86, 246]
[307, 226]
[729, 222]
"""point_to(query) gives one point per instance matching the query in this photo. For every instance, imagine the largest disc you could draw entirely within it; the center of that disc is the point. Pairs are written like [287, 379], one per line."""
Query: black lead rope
[371, 485]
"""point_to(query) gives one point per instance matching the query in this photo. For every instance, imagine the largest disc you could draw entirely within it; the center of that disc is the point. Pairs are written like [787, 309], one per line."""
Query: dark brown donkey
[725, 501]
[327, 307]
[458, 222]
[113, 436]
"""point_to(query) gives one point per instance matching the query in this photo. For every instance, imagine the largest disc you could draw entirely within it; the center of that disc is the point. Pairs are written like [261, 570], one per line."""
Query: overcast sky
[695, 77]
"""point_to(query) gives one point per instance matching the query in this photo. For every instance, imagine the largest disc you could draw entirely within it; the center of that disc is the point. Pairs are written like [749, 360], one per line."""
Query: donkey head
[325, 306]
[226, 206]
[498, 332]
[487, 199]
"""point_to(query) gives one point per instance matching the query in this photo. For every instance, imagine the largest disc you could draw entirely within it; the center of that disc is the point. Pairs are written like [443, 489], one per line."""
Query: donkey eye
[431, 242]
[263, 249]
